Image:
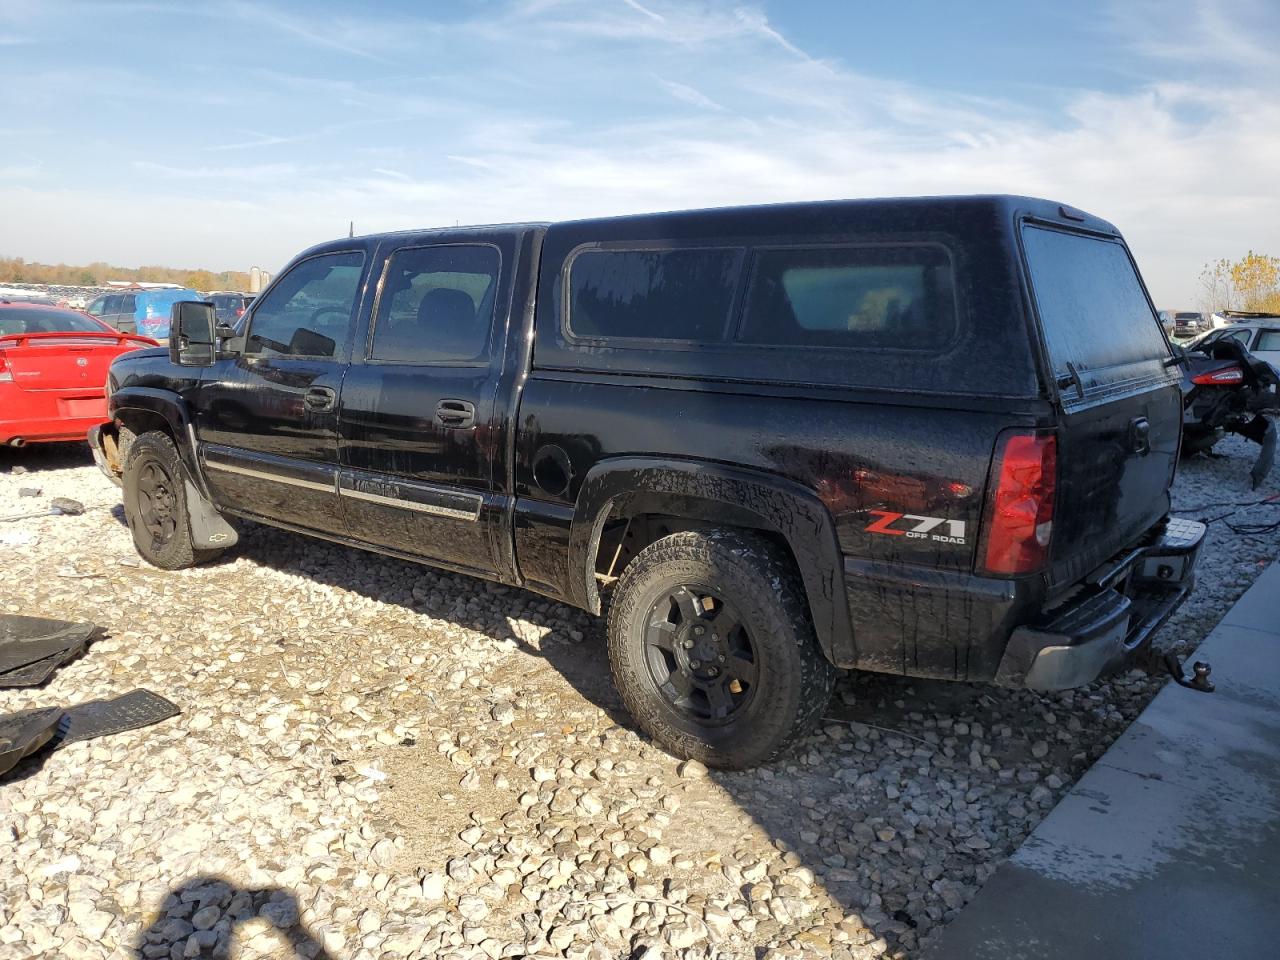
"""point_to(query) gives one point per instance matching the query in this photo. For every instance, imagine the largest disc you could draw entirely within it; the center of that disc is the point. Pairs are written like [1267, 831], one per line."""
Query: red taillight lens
[1232, 374]
[1019, 515]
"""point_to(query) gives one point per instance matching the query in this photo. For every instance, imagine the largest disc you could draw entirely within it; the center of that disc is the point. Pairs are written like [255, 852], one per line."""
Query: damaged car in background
[1230, 389]
[932, 437]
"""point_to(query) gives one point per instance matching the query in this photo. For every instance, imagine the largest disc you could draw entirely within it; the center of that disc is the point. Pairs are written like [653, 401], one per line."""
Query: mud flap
[99, 718]
[208, 528]
[30, 731]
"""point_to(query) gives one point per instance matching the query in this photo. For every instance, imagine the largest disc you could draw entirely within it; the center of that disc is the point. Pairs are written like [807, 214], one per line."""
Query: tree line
[1251, 283]
[17, 270]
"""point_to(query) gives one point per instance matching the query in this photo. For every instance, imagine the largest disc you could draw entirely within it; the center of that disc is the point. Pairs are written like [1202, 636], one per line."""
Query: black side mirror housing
[191, 333]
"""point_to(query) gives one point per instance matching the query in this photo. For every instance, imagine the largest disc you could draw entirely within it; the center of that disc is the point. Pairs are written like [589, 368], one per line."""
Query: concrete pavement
[1169, 846]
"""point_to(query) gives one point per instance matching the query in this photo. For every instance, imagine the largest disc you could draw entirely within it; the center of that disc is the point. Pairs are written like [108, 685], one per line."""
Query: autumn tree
[1215, 286]
[18, 270]
[1251, 283]
[1256, 279]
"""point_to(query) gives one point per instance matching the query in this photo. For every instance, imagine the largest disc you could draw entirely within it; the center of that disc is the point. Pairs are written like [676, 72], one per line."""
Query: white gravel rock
[513, 813]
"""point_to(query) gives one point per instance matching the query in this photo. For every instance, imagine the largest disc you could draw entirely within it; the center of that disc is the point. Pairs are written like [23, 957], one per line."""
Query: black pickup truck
[931, 437]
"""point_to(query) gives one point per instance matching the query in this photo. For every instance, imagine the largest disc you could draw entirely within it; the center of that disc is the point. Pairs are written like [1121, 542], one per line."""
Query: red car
[53, 371]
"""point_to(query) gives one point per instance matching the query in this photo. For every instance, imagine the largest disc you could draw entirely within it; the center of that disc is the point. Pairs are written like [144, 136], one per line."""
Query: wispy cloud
[303, 29]
[547, 109]
[227, 175]
[687, 94]
[645, 10]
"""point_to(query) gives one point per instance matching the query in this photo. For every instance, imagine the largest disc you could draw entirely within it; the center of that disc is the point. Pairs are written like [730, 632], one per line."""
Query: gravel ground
[377, 760]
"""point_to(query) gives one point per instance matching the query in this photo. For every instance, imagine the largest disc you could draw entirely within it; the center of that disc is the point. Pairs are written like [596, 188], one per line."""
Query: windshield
[17, 320]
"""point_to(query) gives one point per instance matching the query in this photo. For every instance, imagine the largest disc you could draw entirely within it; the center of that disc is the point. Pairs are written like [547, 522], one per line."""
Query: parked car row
[140, 311]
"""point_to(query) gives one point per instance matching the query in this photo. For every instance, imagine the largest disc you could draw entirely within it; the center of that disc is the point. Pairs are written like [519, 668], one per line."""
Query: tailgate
[1121, 406]
[75, 362]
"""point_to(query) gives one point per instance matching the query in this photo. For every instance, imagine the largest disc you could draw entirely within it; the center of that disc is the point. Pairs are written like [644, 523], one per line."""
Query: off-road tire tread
[758, 569]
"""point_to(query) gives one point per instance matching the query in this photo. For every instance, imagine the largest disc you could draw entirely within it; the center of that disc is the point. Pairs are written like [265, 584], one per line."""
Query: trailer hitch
[1199, 681]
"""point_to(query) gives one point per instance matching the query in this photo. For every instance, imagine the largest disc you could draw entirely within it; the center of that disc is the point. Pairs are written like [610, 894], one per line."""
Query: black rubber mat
[22, 734]
[31, 648]
[98, 718]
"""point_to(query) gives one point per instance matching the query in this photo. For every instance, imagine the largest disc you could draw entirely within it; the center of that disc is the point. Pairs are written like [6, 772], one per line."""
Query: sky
[224, 134]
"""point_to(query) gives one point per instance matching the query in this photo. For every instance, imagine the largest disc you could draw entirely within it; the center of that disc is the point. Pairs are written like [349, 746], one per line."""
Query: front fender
[695, 490]
[127, 402]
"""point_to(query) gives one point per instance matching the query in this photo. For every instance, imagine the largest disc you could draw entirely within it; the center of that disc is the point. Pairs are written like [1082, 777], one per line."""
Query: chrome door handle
[456, 414]
[320, 398]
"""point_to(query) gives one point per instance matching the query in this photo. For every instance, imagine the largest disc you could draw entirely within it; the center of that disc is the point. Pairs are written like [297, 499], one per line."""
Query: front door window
[308, 312]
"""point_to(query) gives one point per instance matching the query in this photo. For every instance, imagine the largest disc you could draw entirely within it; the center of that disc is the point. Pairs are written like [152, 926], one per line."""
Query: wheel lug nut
[721, 658]
[712, 671]
[699, 631]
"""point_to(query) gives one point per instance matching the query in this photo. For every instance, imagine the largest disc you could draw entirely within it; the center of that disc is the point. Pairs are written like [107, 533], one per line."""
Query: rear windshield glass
[683, 294]
[17, 320]
[862, 297]
[1091, 303]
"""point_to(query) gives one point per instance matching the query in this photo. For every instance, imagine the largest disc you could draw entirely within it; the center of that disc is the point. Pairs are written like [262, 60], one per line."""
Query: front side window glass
[851, 297]
[436, 305]
[309, 310]
[682, 294]
[98, 307]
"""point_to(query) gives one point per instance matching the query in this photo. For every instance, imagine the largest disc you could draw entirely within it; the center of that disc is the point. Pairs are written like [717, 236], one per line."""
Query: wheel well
[139, 422]
[623, 537]
[131, 424]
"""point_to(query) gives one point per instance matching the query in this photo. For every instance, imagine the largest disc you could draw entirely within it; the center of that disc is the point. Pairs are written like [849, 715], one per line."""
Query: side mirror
[191, 326]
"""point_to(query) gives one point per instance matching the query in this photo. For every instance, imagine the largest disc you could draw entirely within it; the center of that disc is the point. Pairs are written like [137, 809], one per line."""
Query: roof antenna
[351, 230]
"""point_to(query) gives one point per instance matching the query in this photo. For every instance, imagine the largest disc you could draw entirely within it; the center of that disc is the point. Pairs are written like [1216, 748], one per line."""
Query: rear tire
[713, 651]
[155, 504]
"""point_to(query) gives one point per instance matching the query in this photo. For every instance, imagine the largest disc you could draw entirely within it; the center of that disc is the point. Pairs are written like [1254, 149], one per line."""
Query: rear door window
[677, 294]
[895, 297]
[436, 305]
[1268, 340]
[1093, 310]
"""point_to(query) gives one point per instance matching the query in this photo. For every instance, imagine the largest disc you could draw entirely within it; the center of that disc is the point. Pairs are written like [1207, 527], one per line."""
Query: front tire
[155, 504]
[713, 651]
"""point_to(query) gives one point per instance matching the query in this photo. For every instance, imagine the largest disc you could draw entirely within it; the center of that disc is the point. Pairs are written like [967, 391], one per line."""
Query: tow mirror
[191, 327]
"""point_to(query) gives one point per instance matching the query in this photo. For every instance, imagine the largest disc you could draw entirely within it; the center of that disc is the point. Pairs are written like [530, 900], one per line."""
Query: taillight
[1019, 513]
[1232, 374]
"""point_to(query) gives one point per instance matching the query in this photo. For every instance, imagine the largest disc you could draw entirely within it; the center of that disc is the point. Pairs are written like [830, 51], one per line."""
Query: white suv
[1259, 334]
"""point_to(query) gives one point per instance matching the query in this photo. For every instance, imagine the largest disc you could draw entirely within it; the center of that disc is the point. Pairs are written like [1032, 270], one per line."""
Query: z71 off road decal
[922, 528]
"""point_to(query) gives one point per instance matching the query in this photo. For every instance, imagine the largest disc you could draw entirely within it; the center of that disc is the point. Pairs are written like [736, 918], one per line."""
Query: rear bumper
[19, 432]
[1114, 614]
[951, 625]
[42, 416]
